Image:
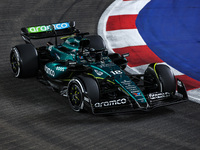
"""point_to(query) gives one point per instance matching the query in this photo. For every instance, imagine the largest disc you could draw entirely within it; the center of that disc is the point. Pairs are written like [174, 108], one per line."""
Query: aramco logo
[44, 28]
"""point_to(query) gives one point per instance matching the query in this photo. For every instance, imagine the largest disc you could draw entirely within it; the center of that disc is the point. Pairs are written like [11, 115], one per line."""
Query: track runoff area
[117, 26]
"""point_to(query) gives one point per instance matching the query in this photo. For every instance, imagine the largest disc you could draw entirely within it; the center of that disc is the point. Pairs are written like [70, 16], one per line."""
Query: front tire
[161, 78]
[80, 87]
[75, 94]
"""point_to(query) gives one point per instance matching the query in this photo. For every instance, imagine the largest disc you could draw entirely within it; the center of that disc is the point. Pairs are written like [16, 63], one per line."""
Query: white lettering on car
[44, 28]
[60, 26]
[111, 103]
[60, 69]
[49, 71]
[158, 95]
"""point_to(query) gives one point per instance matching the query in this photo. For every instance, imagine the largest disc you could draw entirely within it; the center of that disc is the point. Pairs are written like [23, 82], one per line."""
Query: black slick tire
[162, 76]
[24, 61]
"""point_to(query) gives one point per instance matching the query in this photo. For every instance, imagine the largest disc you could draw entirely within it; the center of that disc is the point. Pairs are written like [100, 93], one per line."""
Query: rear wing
[47, 31]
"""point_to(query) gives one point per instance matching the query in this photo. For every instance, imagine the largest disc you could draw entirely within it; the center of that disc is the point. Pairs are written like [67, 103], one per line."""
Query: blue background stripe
[171, 30]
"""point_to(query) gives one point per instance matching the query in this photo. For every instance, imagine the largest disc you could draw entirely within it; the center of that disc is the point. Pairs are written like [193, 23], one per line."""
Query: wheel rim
[15, 64]
[75, 96]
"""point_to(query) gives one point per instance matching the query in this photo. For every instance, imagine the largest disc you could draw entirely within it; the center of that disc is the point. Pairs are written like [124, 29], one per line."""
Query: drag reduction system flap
[47, 31]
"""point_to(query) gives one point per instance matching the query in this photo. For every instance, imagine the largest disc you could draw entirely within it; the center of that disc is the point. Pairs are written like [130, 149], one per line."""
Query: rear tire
[24, 61]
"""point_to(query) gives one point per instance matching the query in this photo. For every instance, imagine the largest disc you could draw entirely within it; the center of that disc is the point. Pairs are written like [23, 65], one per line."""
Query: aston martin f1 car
[81, 69]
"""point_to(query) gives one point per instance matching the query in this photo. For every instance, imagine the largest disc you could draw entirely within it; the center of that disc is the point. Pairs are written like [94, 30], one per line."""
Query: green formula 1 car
[81, 69]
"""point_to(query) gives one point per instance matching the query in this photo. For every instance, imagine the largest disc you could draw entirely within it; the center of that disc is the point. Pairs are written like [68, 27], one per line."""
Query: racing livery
[81, 69]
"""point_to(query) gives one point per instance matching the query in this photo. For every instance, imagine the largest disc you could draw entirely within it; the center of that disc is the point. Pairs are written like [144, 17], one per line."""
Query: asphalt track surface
[34, 117]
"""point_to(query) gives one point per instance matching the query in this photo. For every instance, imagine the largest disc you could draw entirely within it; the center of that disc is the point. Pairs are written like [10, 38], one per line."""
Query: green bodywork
[120, 78]
[100, 70]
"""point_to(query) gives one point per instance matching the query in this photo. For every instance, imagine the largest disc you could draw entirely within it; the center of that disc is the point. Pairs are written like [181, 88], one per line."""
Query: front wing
[127, 104]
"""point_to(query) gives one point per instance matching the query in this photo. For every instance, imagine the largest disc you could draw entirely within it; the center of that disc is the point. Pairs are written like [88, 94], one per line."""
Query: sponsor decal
[72, 63]
[38, 29]
[131, 87]
[60, 69]
[179, 83]
[60, 26]
[137, 94]
[141, 100]
[110, 103]
[44, 28]
[157, 95]
[49, 71]
[125, 81]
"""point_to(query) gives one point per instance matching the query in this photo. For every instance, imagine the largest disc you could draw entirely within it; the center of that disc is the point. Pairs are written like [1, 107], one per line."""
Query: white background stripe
[130, 7]
[124, 38]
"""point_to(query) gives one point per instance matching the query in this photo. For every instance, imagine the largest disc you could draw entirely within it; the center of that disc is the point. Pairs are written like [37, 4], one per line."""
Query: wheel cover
[75, 96]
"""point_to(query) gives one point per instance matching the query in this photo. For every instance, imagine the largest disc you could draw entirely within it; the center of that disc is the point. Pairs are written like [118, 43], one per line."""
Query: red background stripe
[121, 22]
[139, 55]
